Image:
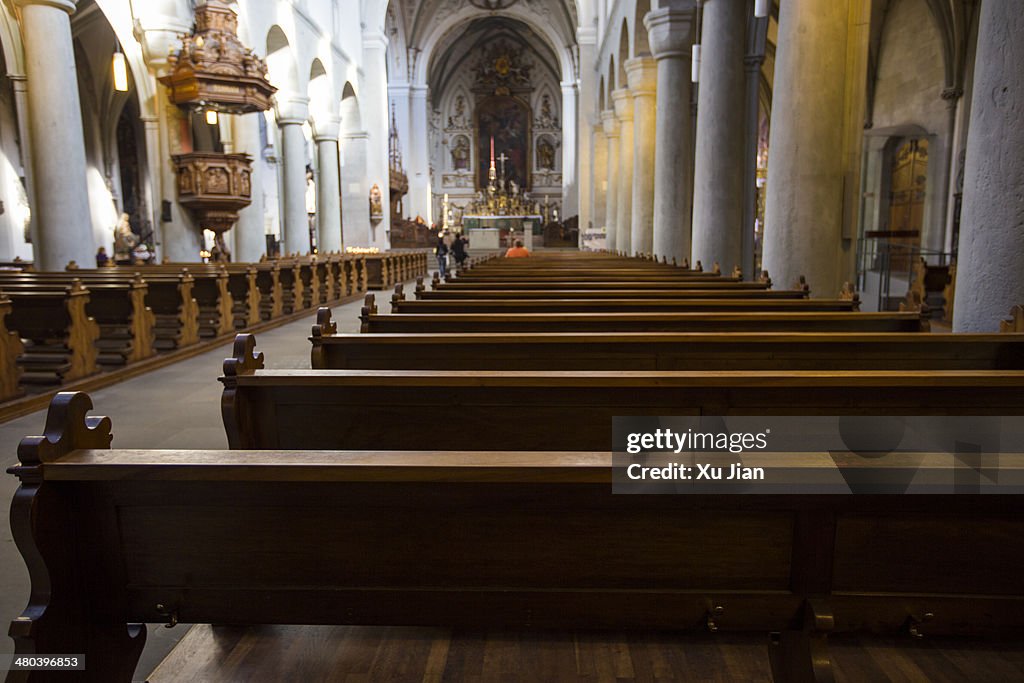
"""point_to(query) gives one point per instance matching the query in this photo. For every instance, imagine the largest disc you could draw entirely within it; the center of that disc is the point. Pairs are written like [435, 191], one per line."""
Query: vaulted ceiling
[420, 17]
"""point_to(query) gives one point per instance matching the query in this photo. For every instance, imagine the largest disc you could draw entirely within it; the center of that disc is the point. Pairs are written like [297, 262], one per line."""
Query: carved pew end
[325, 326]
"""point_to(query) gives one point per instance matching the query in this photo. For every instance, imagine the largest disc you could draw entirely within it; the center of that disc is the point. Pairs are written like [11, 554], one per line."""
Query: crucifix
[502, 158]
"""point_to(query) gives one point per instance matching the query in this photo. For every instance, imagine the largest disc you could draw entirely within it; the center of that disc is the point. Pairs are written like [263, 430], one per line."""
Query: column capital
[68, 6]
[291, 108]
[623, 100]
[374, 39]
[609, 123]
[642, 75]
[670, 31]
[326, 128]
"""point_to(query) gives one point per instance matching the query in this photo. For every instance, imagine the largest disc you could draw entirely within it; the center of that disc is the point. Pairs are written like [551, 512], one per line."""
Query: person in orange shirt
[518, 251]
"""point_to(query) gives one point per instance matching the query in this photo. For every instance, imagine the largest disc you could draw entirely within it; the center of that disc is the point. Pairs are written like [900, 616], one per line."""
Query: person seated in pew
[101, 257]
[518, 251]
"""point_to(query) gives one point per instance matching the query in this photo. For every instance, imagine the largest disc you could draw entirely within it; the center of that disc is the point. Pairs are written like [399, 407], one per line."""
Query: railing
[887, 260]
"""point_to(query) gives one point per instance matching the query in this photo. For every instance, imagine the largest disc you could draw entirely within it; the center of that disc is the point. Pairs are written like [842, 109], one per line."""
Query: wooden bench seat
[513, 284]
[494, 540]
[663, 351]
[59, 336]
[532, 294]
[751, 321]
[211, 289]
[118, 306]
[564, 409]
[169, 295]
[241, 284]
[616, 305]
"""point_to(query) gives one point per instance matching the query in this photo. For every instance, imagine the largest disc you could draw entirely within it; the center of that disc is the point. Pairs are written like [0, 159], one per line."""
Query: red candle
[492, 150]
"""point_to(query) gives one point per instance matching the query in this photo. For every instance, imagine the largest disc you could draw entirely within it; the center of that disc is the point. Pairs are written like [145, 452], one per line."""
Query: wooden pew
[211, 289]
[749, 321]
[241, 285]
[615, 305]
[118, 305]
[514, 284]
[565, 410]
[662, 350]
[60, 336]
[534, 294]
[503, 539]
[11, 347]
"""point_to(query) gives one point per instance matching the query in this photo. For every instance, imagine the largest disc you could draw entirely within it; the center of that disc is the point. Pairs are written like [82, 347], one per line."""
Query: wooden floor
[359, 654]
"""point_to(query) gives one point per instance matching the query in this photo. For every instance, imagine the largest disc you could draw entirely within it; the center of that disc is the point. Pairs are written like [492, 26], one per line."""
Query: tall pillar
[570, 188]
[328, 191]
[624, 203]
[418, 162]
[670, 35]
[355, 193]
[990, 271]
[611, 128]
[718, 170]
[376, 121]
[292, 112]
[250, 231]
[63, 231]
[804, 203]
[642, 73]
[598, 178]
[751, 133]
[587, 133]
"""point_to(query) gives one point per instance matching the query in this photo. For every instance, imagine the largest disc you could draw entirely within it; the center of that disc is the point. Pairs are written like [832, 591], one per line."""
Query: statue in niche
[545, 154]
[376, 203]
[460, 154]
[124, 239]
[547, 119]
[458, 119]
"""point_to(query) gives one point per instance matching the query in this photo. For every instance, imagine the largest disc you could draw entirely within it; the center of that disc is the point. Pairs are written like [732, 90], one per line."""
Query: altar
[495, 232]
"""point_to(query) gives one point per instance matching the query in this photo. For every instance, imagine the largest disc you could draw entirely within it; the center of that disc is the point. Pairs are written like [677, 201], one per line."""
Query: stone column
[670, 34]
[804, 202]
[328, 187]
[570, 140]
[355, 192]
[751, 132]
[250, 231]
[376, 121]
[587, 133]
[418, 161]
[642, 73]
[611, 127]
[990, 271]
[63, 232]
[624, 204]
[292, 112]
[718, 172]
[598, 178]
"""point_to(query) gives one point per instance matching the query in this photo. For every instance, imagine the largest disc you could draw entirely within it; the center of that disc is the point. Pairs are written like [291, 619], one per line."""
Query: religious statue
[545, 154]
[124, 239]
[460, 154]
[546, 119]
[376, 203]
[458, 119]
